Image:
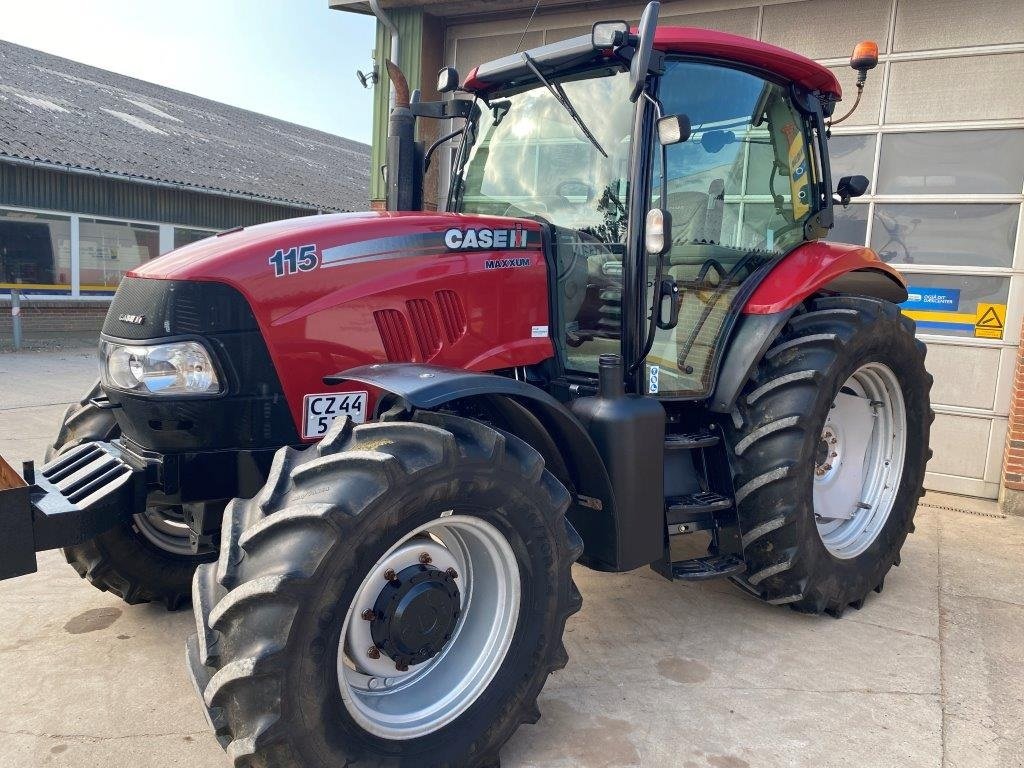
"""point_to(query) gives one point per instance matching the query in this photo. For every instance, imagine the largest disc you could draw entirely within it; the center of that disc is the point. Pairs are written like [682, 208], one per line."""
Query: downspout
[384, 19]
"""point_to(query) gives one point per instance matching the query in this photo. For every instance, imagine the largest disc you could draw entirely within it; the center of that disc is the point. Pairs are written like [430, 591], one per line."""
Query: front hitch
[80, 494]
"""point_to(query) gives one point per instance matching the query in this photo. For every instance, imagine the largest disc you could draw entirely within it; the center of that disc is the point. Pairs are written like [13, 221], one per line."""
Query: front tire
[302, 658]
[828, 448]
[146, 559]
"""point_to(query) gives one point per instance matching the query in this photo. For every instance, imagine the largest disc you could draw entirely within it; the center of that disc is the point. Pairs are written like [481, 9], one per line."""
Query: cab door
[739, 191]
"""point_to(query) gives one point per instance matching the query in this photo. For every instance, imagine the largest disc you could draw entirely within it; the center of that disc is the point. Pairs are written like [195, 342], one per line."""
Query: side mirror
[667, 316]
[609, 34]
[850, 187]
[448, 80]
[673, 129]
[658, 231]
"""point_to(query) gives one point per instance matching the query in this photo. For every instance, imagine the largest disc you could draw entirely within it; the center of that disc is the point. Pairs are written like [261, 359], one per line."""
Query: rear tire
[124, 560]
[272, 659]
[779, 444]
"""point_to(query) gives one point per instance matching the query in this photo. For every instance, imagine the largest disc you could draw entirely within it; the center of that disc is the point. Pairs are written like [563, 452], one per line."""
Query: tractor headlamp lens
[178, 368]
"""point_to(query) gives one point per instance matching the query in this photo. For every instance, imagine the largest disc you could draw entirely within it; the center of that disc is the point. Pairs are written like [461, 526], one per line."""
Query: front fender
[820, 266]
[428, 387]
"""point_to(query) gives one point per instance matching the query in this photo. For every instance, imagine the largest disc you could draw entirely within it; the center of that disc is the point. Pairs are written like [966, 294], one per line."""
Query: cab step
[690, 441]
[693, 507]
[710, 567]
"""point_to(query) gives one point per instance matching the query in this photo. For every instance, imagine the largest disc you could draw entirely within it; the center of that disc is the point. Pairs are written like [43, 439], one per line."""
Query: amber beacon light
[864, 58]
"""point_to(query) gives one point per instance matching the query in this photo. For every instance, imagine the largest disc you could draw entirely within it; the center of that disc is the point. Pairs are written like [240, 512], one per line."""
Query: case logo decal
[470, 239]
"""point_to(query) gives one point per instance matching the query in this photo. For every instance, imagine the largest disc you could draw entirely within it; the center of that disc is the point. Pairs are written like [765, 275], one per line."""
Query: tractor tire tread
[769, 432]
[247, 603]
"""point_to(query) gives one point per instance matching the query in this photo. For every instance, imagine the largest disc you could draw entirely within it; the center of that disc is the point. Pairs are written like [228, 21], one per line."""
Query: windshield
[532, 159]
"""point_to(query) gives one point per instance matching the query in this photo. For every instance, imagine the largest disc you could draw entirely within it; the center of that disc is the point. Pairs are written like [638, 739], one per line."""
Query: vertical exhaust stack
[404, 156]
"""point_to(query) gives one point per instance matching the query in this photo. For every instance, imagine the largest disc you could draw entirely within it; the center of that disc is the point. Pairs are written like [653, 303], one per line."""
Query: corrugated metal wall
[33, 187]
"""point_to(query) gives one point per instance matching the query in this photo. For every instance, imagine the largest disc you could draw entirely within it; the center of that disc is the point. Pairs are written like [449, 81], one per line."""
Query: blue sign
[932, 299]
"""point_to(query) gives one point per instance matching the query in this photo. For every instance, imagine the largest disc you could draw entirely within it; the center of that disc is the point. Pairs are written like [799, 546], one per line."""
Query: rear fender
[816, 267]
[532, 415]
[825, 267]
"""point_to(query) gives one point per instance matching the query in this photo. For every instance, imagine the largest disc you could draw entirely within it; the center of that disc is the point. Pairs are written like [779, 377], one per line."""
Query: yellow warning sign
[990, 321]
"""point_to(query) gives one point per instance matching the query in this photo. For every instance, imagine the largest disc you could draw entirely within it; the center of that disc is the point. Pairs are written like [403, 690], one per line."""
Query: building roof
[62, 113]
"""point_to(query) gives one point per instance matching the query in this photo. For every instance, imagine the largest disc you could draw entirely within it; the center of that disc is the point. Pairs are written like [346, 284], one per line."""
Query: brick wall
[56, 320]
[1012, 492]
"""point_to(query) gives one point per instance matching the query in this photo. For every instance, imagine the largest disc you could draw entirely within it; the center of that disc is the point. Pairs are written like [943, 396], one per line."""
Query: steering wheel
[562, 192]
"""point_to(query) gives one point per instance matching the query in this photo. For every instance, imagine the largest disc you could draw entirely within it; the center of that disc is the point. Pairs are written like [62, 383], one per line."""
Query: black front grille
[148, 309]
[252, 412]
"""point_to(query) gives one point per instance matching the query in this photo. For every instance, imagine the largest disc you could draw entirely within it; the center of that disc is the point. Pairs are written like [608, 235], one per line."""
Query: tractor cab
[725, 141]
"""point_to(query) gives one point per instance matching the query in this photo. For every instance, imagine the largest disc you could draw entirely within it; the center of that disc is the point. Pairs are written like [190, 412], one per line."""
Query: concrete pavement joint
[943, 621]
[983, 598]
[897, 630]
[90, 738]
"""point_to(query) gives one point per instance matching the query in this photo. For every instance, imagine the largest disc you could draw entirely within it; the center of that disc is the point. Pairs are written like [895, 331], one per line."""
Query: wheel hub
[827, 452]
[415, 614]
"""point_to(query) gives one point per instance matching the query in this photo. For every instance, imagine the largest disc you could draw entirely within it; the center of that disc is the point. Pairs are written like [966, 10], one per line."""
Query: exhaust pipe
[404, 156]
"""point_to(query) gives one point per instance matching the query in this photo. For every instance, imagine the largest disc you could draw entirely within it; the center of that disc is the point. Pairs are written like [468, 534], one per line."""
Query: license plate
[320, 411]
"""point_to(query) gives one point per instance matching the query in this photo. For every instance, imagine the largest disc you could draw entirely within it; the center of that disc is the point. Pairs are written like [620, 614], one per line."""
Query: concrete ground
[929, 673]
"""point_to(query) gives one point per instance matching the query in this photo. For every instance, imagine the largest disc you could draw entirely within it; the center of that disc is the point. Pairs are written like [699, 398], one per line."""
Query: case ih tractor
[370, 447]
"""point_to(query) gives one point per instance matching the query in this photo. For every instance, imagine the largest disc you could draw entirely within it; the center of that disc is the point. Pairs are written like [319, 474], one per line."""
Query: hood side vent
[453, 315]
[394, 332]
[425, 326]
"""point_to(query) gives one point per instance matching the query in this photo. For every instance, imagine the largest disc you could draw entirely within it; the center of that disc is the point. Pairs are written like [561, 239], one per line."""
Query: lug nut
[453, 573]
[401, 666]
[834, 454]
[425, 558]
[373, 652]
[369, 614]
[390, 575]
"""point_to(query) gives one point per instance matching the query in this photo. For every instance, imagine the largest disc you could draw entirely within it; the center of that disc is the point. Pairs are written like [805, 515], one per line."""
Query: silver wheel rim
[407, 704]
[166, 529]
[859, 460]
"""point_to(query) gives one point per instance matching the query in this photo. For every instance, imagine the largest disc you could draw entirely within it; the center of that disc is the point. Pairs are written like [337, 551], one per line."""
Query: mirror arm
[433, 147]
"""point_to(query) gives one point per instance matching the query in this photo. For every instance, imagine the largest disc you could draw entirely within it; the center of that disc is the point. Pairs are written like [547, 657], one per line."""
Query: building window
[108, 249]
[951, 162]
[950, 234]
[185, 236]
[35, 252]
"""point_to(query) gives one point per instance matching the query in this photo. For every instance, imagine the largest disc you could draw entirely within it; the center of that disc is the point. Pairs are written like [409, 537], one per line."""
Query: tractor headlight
[178, 368]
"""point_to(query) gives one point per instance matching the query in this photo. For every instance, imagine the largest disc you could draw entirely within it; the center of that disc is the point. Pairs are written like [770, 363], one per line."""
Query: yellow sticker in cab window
[798, 186]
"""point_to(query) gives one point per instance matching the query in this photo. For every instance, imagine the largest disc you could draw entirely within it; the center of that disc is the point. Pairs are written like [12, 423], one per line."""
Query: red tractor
[385, 438]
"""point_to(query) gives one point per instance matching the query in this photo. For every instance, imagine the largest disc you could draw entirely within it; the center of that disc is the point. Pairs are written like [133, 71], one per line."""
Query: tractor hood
[239, 255]
[336, 291]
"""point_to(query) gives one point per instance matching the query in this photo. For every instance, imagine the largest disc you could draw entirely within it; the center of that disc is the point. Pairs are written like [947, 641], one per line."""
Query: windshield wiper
[561, 97]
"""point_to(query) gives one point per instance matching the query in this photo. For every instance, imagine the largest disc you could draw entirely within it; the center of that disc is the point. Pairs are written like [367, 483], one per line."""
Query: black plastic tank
[629, 432]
